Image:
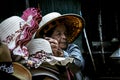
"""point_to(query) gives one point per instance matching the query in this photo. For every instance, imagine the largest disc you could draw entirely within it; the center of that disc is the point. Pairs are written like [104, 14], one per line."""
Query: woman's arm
[74, 51]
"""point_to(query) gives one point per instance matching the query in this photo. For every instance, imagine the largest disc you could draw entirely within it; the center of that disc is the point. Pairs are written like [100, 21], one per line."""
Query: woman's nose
[63, 35]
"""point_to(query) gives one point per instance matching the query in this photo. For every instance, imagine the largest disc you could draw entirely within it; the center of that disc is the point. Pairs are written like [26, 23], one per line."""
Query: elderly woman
[61, 31]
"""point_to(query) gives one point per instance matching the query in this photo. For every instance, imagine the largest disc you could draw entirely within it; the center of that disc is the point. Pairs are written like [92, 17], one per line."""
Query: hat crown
[49, 17]
[9, 26]
[36, 45]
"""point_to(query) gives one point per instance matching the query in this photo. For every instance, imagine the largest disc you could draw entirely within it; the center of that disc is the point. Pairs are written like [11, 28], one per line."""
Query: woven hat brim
[21, 72]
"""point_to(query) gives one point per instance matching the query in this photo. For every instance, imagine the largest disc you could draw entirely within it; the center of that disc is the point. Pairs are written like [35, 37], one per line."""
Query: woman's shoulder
[72, 45]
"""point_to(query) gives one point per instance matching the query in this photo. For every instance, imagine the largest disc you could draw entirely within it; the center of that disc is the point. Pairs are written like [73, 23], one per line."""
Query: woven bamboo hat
[74, 23]
[36, 45]
[21, 72]
[10, 26]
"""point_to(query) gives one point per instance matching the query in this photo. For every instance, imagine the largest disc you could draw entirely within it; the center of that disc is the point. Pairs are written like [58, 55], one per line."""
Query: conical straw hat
[74, 23]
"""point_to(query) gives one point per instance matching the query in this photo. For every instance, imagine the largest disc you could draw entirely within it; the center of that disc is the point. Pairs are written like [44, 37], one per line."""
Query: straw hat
[5, 55]
[9, 26]
[21, 72]
[73, 22]
[39, 44]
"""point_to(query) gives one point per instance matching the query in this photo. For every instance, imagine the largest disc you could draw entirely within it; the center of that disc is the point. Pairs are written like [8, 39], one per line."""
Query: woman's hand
[55, 46]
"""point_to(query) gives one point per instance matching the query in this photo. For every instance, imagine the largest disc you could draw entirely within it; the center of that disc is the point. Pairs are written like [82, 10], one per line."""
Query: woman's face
[60, 34]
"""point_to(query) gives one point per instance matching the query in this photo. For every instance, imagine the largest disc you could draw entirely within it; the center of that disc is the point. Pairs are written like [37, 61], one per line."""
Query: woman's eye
[66, 33]
[58, 34]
